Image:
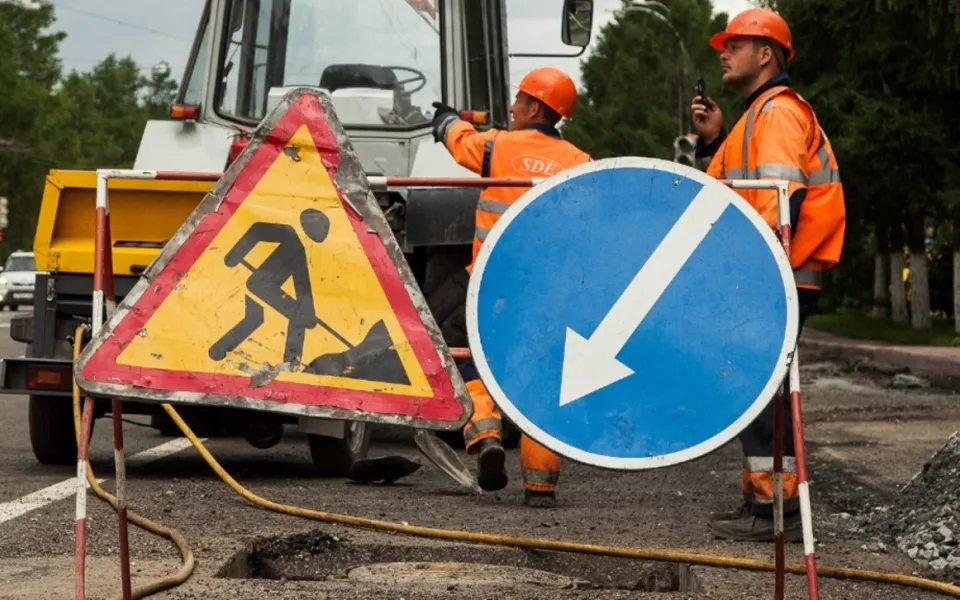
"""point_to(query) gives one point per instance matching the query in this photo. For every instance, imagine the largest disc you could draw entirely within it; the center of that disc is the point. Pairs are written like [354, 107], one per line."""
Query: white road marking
[65, 489]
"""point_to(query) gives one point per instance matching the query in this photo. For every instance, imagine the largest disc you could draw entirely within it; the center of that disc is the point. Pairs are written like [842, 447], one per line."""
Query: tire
[165, 425]
[52, 433]
[444, 288]
[333, 457]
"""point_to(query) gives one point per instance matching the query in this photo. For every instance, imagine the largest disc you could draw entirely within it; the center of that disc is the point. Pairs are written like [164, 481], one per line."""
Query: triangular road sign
[286, 291]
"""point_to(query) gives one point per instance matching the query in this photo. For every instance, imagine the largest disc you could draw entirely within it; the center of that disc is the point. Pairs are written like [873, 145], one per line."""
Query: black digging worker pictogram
[374, 358]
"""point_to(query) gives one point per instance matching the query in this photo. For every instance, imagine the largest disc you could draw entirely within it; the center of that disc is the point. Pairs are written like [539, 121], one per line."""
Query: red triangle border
[102, 365]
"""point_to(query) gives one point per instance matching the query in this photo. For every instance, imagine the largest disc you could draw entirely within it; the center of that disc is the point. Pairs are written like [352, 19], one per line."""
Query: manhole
[445, 574]
[319, 556]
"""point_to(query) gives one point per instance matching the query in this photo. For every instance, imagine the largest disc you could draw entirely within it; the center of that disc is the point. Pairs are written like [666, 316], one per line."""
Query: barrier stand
[104, 304]
[796, 412]
[105, 298]
[103, 292]
[783, 218]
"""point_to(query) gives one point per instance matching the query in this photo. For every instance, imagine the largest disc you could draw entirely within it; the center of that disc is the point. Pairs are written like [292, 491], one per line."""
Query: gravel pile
[925, 521]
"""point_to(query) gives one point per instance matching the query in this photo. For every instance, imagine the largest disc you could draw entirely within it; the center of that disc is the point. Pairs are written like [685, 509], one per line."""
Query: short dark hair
[552, 116]
[779, 52]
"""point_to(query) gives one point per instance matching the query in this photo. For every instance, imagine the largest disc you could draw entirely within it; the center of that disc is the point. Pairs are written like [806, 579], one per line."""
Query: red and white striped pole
[104, 298]
[380, 183]
[796, 410]
[799, 442]
[80, 524]
[780, 558]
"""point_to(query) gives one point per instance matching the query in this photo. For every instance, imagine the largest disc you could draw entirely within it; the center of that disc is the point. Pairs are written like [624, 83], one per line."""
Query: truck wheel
[444, 287]
[51, 430]
[165, 425]
[333, 457]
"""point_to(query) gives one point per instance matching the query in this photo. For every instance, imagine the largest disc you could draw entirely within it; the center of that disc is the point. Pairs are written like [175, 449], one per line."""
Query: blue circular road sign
[632, 313]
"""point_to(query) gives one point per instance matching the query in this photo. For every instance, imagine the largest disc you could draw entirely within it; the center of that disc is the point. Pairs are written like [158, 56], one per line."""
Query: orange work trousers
[541, 467]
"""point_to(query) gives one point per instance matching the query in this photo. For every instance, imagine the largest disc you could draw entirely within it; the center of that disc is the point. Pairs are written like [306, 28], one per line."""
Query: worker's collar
[776, 80]
[543, 128]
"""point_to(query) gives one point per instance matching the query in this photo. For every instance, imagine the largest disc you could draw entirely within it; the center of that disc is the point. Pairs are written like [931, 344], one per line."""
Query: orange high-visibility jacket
[535, 151]
[779, 137]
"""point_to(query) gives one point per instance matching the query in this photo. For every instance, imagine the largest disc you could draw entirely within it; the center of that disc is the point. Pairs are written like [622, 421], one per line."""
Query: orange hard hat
[553, 87]
[759, 22]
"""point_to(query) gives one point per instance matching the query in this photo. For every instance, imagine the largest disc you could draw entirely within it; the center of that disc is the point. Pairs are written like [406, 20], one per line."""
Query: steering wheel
[419, 76]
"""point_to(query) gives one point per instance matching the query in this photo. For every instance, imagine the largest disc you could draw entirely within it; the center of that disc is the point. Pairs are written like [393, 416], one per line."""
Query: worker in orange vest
[532, 147]
[777, 137]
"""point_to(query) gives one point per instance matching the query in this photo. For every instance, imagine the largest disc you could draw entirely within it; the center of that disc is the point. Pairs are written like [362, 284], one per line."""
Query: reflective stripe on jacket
[779, 137]
[535, 151]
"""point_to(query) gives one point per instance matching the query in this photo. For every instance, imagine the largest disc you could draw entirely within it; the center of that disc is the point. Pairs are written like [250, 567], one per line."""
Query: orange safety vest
[499, 153]
[789, 144]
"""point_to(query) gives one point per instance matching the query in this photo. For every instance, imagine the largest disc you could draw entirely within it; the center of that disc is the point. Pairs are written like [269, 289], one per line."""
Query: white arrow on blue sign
[632, 313]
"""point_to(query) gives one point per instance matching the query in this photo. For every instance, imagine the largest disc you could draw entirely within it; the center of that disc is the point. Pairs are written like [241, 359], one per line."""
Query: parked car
[17, 280]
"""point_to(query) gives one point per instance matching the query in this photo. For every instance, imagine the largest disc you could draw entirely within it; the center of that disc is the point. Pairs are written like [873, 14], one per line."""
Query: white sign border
[643, 463]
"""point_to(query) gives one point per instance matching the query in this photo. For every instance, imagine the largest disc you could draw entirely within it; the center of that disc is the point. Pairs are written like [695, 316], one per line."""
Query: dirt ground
[865, 440]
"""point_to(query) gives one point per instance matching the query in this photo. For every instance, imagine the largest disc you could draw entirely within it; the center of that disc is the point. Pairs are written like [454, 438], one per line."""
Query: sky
[155, 30]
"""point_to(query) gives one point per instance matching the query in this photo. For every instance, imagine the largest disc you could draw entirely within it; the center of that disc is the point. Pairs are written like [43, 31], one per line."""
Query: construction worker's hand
[440, 109]
[707, 118]
[442, 115]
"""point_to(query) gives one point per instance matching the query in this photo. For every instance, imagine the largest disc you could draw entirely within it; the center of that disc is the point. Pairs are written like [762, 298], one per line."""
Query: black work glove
[442, 116]
[442, 109]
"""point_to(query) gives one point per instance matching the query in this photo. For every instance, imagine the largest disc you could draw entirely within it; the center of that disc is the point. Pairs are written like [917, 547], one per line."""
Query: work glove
[443, 114]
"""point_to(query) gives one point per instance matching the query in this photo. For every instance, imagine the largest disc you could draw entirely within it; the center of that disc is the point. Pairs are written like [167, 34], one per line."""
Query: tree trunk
[881, 270]
[956, 273]
[919, 282]
[956, 288]
[898, 293]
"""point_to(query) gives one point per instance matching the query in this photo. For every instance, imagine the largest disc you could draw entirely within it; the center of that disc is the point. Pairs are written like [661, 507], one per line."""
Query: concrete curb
[939, 364]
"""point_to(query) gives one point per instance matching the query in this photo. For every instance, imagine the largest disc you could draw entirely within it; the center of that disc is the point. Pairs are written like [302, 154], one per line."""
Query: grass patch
[862, 327]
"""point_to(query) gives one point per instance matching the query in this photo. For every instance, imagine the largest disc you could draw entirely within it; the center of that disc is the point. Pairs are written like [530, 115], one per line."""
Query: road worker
[777, 137]
[532, 147]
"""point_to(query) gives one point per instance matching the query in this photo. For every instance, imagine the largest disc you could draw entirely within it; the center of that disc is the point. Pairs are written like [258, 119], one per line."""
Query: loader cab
[383, 62]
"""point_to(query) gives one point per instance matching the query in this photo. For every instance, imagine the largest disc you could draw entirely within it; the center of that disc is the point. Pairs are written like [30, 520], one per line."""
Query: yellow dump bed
[144, 215]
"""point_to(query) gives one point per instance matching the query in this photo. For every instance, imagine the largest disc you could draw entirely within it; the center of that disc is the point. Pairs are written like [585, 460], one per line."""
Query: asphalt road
[865, 439]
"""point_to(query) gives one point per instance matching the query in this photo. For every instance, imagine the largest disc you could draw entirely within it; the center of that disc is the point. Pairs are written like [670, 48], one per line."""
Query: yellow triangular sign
[285, 290]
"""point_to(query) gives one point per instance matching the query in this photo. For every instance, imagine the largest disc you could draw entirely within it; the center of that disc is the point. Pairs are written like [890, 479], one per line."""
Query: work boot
[743, 526]
[490, 465]
[539, 499]
[731, 515]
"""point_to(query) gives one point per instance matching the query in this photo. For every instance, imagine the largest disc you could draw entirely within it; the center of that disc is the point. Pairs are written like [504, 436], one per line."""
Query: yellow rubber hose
[662, 555]
[171, 534]
[542, 544]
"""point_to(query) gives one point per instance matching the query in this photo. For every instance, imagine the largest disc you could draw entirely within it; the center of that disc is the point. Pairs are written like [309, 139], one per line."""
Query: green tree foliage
[870, 76]
[83, 120]
[879, 78]
[942, 20]
[629, 96]
[29, 71]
